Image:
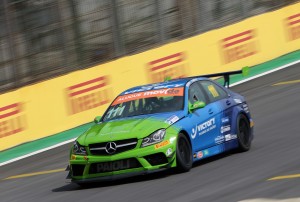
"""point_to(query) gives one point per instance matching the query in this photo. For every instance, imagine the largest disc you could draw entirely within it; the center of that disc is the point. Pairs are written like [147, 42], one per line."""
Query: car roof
[166, 84]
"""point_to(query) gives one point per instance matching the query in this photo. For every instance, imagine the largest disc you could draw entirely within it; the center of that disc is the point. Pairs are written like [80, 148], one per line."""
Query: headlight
[154, 138]
[78, 149]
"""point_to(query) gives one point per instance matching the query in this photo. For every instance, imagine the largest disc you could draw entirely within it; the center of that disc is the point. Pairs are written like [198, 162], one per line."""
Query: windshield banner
[148, 94]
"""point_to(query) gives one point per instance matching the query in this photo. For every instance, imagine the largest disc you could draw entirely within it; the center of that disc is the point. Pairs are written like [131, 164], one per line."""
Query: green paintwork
[196, 105]
[121, 129]
[97, 119]
[168, 78]
[245, 71]
[125, 129]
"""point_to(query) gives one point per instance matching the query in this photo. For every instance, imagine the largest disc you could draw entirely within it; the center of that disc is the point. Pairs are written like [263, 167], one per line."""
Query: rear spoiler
[226, 75]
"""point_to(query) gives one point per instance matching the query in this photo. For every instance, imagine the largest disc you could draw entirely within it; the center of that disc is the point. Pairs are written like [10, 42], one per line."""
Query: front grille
[156, 159]
[114, 166]
[77, 170]
[121, 146]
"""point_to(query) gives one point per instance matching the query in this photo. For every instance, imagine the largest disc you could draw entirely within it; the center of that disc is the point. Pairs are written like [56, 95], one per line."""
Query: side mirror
[196, 105]
[97, 119]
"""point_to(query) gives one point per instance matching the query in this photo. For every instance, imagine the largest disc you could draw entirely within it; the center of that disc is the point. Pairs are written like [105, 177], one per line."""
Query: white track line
[68, 141]
[265, 73]
[37, 152]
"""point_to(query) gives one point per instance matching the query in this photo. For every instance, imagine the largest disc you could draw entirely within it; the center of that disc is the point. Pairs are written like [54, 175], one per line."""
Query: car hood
[133, 127]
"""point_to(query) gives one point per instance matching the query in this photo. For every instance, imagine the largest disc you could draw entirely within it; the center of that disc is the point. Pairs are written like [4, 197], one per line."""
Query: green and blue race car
[159, 126]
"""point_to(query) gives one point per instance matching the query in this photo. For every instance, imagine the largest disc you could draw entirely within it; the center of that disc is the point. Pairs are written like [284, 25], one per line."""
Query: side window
[213, 91]
[196, 94]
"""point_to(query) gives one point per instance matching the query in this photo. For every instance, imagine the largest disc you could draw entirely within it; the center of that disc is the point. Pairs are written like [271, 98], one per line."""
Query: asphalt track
[229, 177]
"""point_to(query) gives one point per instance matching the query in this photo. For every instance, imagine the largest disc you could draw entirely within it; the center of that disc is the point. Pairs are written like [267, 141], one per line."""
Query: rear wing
[226, 75]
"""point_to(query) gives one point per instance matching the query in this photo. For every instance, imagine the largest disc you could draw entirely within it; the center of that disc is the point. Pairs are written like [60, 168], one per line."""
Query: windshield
[147, 102]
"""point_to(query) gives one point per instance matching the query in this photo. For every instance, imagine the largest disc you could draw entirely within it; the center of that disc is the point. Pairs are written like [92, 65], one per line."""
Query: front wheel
[243, 133]
[184, 158]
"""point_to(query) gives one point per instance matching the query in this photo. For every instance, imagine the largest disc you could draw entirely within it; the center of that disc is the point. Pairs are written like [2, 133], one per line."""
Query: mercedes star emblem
[111, 147]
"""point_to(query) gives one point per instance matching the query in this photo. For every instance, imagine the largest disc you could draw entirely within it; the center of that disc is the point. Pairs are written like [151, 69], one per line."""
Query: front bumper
[90, 168]
[116, 177]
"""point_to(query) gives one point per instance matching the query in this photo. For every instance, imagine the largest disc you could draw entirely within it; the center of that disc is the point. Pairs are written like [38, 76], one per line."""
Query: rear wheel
[184, 158]
[243, 133]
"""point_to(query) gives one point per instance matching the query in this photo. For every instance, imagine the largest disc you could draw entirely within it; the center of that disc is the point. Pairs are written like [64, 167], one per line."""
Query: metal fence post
[244, 4]
[204, 18]
[160, 22]
[116, 29]
[11, 42]
[62, 30]
[75, 25]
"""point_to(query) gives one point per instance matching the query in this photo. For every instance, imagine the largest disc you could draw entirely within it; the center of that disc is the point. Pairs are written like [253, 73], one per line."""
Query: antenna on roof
[168, 78]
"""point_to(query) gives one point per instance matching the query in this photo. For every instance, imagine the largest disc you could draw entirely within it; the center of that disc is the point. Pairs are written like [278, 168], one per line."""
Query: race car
[165, 125]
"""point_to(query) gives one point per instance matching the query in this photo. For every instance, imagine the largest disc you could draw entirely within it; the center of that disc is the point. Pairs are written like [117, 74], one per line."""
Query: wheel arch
[244, 146]
[236, 113]
[187, 136]
[181, 160]
[245, 114]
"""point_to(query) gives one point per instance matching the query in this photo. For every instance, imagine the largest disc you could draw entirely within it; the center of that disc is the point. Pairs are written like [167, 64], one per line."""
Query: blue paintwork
[209, 134]
[214, 140]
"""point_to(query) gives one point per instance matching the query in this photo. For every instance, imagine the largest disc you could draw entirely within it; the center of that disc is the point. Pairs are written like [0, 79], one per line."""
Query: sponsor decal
[162, 144]
[213, 91]
[153, 87]
[229, 137]
[195, 156]
[225, 120]
[206, 152]
[113, 166]
[88, 95]
[204, 128]
[172, 119]
[169, 152]
[86, 158]
[225, 129]
[239, 46]
[12, 119]
[219, 139]
[200, 155]
[293, 27]
[148, 94]
[171, 66]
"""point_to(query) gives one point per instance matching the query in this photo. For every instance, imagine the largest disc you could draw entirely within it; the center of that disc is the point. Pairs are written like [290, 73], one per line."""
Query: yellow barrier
[49, 107]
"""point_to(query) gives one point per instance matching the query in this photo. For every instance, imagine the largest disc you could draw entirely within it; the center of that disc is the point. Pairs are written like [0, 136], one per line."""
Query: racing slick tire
[184, 159]
[243, 133]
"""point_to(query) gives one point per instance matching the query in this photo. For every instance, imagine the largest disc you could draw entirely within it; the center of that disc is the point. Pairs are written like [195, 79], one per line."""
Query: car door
[203, 120]
[218, 96]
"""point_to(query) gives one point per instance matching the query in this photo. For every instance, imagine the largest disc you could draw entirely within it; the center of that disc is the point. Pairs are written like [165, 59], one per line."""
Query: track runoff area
[268, 172]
